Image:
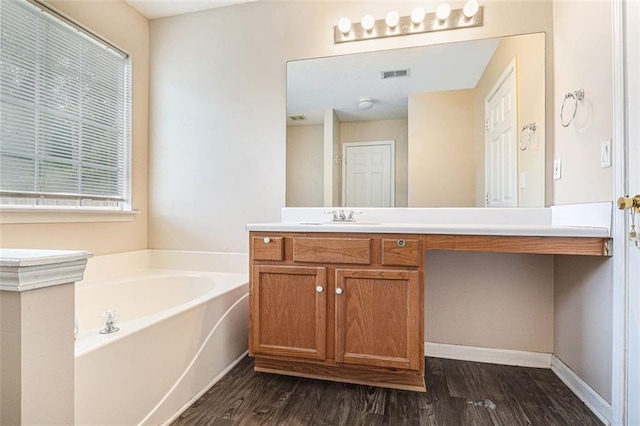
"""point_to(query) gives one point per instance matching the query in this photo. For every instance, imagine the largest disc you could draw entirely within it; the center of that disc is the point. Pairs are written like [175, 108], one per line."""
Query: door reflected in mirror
[465, 123]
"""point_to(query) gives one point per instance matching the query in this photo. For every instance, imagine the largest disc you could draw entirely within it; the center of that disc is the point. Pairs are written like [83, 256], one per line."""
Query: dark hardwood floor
[458, 393]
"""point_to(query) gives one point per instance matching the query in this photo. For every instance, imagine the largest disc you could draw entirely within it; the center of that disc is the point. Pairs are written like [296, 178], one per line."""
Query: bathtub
[183, 320]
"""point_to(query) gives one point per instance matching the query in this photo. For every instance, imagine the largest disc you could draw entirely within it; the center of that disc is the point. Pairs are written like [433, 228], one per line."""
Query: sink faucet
[341, 216]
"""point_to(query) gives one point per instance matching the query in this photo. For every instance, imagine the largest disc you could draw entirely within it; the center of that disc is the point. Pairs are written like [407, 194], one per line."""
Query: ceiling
[154, 9]
[338, 82]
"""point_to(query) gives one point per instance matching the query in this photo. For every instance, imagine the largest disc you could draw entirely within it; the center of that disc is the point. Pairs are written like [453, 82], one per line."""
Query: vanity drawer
[351, 251]
[401, 251]
[267, 248]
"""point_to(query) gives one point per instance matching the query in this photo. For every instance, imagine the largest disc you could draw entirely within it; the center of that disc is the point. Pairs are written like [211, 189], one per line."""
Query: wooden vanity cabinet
[343, 307]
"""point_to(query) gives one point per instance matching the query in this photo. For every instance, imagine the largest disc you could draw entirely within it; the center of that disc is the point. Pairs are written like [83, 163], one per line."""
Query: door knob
[338, 290]
[625, 203]
[319, 289]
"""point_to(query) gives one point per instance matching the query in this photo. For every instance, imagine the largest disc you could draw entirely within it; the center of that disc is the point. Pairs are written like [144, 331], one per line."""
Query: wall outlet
[605, 154]
[523, 184]
[557, 168]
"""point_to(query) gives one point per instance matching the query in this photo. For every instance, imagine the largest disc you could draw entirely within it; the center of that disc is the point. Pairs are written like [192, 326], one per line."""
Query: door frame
[623, 49]
[392, 144]
[509, 72]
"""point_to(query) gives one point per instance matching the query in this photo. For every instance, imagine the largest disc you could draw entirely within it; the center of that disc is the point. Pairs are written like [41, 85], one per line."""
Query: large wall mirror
[450, 125]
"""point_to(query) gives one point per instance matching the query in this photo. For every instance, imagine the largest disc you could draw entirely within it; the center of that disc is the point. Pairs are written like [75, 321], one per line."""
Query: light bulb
[392, 19]
[470, 8]
[417, 15]
[443, 11]
[368, 22]
[344, 25]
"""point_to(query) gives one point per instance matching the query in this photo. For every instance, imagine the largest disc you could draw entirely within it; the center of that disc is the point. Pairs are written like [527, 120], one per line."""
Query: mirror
[451, 125]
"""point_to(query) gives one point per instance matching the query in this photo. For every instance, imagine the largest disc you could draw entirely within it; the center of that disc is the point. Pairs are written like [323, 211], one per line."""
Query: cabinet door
[288, 311]
[377, 318]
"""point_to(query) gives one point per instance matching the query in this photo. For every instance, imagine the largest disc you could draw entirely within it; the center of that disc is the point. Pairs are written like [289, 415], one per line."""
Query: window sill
[53, 215]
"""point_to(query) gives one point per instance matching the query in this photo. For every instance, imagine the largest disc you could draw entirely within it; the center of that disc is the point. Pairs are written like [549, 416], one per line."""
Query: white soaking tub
[183, 320]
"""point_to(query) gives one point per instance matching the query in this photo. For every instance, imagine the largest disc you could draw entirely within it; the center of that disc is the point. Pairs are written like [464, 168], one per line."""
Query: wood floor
[459, 393]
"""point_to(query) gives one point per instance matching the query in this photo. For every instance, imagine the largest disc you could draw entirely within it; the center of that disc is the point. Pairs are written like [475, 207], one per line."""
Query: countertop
[425, 228]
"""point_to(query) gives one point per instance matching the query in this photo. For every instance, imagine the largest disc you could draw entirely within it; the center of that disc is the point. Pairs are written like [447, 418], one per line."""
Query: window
[65, 101]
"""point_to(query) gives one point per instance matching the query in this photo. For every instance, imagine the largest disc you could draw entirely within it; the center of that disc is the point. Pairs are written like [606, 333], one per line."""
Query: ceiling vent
[297, 117]
[394, 74]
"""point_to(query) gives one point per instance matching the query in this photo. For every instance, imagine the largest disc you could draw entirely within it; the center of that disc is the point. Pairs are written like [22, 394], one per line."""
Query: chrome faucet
[109, 318]
[341, 216]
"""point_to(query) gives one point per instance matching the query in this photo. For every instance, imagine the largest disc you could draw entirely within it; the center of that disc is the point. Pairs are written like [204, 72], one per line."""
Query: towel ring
[578, 95]
[531, 129]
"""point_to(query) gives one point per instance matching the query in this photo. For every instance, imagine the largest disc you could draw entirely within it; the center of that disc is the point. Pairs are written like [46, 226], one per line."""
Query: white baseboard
[601, 408]
[488, 355]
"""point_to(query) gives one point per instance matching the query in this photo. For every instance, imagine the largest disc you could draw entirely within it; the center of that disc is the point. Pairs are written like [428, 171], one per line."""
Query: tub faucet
[110, 318]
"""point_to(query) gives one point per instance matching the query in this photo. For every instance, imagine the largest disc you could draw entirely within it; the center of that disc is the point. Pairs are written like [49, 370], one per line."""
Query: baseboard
[601, 408]
[488, 355]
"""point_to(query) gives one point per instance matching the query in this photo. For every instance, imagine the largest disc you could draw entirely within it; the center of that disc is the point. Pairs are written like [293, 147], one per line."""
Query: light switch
[522, 180]
[605, 154]
[557, 168]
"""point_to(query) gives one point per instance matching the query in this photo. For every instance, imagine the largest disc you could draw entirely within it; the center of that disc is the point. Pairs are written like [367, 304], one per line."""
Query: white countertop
[579, 220]
[422, 228]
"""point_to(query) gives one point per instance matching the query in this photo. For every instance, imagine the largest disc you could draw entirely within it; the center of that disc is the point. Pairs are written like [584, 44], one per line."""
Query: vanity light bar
[405, 26]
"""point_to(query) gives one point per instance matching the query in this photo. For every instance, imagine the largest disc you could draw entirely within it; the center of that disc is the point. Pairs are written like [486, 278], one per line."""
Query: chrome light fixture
[444, 18]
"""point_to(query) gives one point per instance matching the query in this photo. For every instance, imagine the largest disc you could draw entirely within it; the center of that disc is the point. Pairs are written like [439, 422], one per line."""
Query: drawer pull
[338, 290]
[267, 240]
[319, 289]
[402, 243]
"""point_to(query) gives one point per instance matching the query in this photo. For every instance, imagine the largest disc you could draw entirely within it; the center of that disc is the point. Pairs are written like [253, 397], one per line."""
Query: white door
[501, 155]
[633, 169]
[368, 178]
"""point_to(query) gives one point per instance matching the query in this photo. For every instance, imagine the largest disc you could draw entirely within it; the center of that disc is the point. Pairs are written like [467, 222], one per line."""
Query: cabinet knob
[401, 243]
[338, 290]
[267, 240]
[319, 289]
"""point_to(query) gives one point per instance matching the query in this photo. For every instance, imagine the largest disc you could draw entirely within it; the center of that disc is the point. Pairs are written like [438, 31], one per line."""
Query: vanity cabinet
[338, 307]
[288, 311]
[376, 314]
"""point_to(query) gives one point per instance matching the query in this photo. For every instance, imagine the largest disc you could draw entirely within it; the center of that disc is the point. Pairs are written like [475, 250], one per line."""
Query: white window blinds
[64, 112]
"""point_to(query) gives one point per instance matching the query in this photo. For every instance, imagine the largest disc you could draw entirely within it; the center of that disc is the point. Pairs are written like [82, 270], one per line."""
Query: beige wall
[123, 26]
[441, 165]
[583, 318]
[368, 131]
[218, 119]
[583, 61]
[304, 165]
[529, 52]
[583, 295]
[491, 300]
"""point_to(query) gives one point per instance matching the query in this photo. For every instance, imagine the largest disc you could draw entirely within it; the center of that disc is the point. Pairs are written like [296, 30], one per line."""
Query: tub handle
[319, 289]
[267, 240]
